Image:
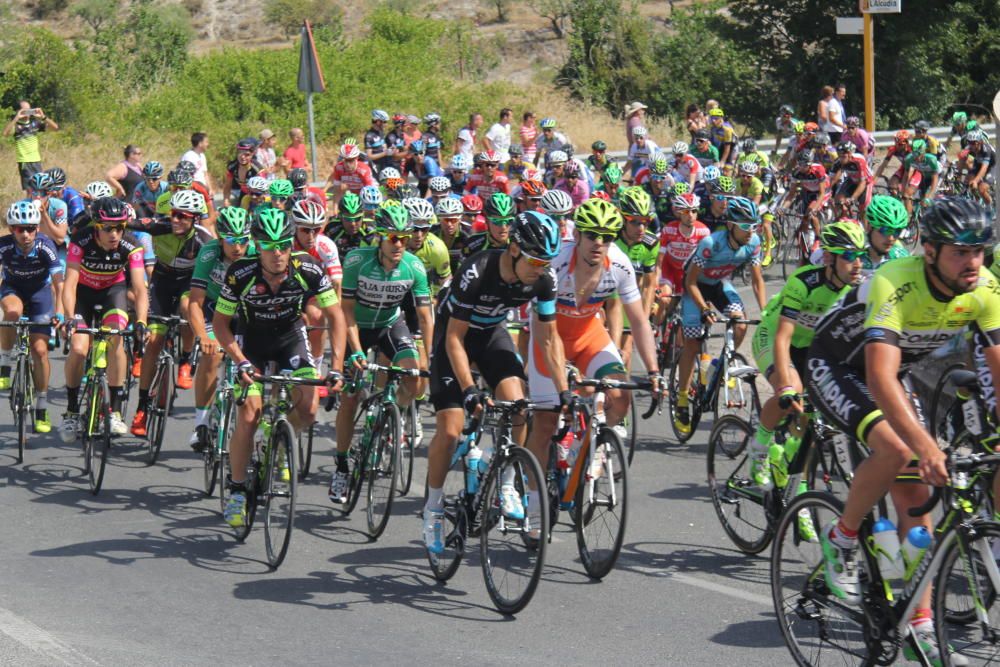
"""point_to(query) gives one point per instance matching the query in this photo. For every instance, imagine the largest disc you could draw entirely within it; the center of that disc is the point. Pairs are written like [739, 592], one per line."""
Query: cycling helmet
[232, 221]
[548, 123]
[887, 212]
[246, 145]
[786, 108]
[308, 213]
[472, 204]
[598, 146]
[349, 152]
[152, 169]
[432, 118]
[398, 118]
[98, 189]
[799, 127]
[271, 224]
[750, 145]
[727, 184]
[536, 234]
[25, 213]
[741, 209]
[660, 165]
[572, 170]
[680, 148]
[972, 125]
[956, 221]
[439, 184]
[394, 185]
[187, 165]
[387, 173]
[639, 131]
[449, 207]
[976, 135]
[489, 156]
[918, 147]
[393, 220]
[612, 174]
[556, 202]
[717, 112]
[281, 187]
[959, 118]
[371, 197]
[257, 185]
[420, 210]
[821, 139]
[748, 167]
[597, 215]
[922, 125]
[515, 150]
[846, 147]
[459, 163]
[681, 188]
[556, 158]
[533, 188]
[499, 205]
[601, 194]
[41, 181]
[636, 201]
[687, 201]
[702, 135]
[843, 236]
[417, 147]
[180, 178]
[350, 206]
[712, 172]
[187, 201]
[902, 136]
[108, 209]
[805, 158]
[378, 114]
[299, 178]
[811, 127]
[853, 121]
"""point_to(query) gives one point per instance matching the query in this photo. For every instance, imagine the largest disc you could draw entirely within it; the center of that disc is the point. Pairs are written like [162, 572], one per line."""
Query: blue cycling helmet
[712, 172]
[41, 181]
[536, 234]
[24, 213]
[741, 209]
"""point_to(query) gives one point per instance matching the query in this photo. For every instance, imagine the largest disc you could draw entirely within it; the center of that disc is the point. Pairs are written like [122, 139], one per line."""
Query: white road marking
[31, 636]
[697, 582]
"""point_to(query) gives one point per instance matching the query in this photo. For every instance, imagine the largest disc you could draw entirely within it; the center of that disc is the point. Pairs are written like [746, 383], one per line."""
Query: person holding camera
[25, 125]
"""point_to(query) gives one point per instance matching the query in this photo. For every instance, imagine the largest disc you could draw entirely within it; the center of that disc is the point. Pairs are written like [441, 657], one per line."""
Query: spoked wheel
[305, 443]
[158, 409]
[382, 476]
[791, 256]
[739, 395]
[602, 505]
[20, 404]
[280, 481]
[694, 410]
[936, 413]
[357, 476]
[818, 628]
[739, 504]
[631, 429]
[218, 434]
[455, 527]
[965, 595]
[100, 437]
[404, 471]
[512, 548]
[83, 422]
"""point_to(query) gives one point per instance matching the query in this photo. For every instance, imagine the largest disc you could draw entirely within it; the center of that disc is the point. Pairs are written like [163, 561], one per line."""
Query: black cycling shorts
[113, 301]
[165, 293]
[289, 350]
[394, 341]
[492, 351]
[841, 394]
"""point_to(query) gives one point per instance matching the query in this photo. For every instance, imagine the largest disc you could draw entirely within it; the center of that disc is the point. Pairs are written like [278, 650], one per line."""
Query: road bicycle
[22, 382]
[512, 549]
[221, 418]
[163, 389]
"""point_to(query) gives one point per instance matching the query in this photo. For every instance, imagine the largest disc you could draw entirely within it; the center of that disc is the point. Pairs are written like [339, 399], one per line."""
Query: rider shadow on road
[663, 558]
[751, 634]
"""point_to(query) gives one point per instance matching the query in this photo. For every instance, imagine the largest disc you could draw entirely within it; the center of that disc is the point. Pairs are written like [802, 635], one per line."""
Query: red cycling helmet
[601, 194]
[472, 204]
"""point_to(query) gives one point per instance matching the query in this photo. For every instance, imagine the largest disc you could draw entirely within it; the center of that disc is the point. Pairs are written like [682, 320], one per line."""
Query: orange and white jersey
[572, 318]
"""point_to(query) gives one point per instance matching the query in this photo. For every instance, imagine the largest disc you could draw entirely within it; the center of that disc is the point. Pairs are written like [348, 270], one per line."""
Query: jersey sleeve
[74, 254]
[136, 259]
[988, 318]
[317, 281]
[792, 297]
[208, 256]
[51, 256]
[352, 266]
[545, 296]
[628, 289]
[702, 253]
[421, 289]
[884, 315]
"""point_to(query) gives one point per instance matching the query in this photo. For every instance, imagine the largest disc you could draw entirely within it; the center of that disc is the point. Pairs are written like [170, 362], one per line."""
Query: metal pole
[312, 134]
[869, 50]
[996, 139]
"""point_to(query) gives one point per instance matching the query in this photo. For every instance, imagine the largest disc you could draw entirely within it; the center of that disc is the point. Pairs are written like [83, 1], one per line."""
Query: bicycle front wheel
[739, 504]
[99, 427]
[673, 390]
[512, 544]
[20, 405]
[602, 505]
[818, 628]
[279, 492]
[405, 468]
[382, 471]
[454, 531]
[738, 395]
[306, 451]
[631, 428]
[158, 407]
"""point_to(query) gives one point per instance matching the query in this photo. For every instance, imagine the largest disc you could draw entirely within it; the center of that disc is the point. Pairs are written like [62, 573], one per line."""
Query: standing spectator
[529, 132]
[197, 157]
[239, 171]
[635, 116]
[295, 154]
[411, 131]
[840, 93]
[465, 142]
[265, 156]
[498, 138]
[695, 120]
[26, 124]
[830, 114]
[126, 176]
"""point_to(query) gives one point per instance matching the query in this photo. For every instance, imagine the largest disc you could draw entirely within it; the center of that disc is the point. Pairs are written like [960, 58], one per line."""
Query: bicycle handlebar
[279, 380]
[959, 464]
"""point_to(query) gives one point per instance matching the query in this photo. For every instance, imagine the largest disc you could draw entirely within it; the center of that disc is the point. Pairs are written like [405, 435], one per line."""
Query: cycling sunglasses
[500, 222]
[27, 229]
[850, 255]
[597, 236]
[886, 231]
[237, 240]
[535, 261]
[748, 226]
[311, 231]
[659, 178]
[110, 228]
[276, 246]
[637, 219]
[397, 238]
[184, 215]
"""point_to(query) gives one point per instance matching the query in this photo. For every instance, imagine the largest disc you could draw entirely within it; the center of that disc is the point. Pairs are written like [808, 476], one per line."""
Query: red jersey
[676, 249]
[355, 180]
[477, 183]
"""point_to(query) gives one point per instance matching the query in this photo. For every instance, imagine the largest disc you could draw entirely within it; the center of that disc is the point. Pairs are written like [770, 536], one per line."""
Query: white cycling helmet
[439, 184]
[680, 148]
[257, 185]
[308, 213]
[459, 163]
[24, 213]
[188, 201]
[449, 207]
[98, 189]
[420, 211]
[378, 114]
[556, 157]
[349, 151]
[556, 202]
[639, 131]
[748, 167]
[371, 197]
[389, 172]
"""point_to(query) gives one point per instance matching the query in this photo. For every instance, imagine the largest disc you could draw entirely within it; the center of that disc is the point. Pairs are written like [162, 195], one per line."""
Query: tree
[325, 17]
[95, 13]
[556, 12]
[502, 8]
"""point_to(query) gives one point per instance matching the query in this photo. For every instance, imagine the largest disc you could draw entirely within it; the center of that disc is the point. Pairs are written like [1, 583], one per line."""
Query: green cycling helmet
[681, 188]
[597, 215]
[232, 221]
[350, 207]
[843, 236]
[393, 220]
[635, 201]
[919, 147]
[612, 174]
[499, 205]
[282, 187]
[727, 184]
[271, 225]
[799, 127]
[660, 165]
[959, 118]
[885, 212]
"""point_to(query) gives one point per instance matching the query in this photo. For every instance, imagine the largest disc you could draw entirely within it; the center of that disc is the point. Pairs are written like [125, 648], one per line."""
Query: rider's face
[276, 261]
[848, 273]
[958, 266]
[882, 240]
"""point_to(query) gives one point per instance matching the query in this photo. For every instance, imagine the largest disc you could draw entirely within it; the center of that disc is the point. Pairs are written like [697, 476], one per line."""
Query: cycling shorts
[492, 351]
[722, 295]
[673, 276]
[846, 189]
[763, 352]
[592, 352]
[113, 301]
[165, 294]
[288, 351]
[395, 341]
[36, 302]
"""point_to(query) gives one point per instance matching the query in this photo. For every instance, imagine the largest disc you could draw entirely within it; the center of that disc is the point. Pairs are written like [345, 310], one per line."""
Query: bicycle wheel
[739, 504]
[382, 476]
[220, 424]
[305, 443]
[455, 529]
[674, 389]
[158, 406]
[512, 550]
[791, 258]
[99, 424]
[280, 481]
[944, 392]
[818, 628]
[19, 404]
[739, 395]
[405, 465]
[601, 505]
[631, 428]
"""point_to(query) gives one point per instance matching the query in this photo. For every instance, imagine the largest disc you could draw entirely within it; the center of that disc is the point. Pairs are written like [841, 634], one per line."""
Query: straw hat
[633, 107]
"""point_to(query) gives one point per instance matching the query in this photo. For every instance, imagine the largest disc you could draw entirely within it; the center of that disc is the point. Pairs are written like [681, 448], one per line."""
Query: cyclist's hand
[565, 400]
[70, 325]
[709, 316]
[139, 333]
[244, 371]
[335, 381]
[933, 469]
[659, 387]
[357, 359]
[789, 399]
[472, 401]
[210, 347]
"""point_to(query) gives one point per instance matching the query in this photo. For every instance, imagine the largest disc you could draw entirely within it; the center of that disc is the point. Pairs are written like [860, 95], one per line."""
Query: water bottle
[706, 363]
[472, 459]
[918, 540]
[713, 368]
[887, 549]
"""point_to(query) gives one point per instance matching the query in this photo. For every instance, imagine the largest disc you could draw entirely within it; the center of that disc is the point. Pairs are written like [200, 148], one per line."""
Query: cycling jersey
[436, 260]
[347, 242]
[927, 167]
[759, 158]
[707, 157]
[28, 270]
[856, 169]
[643, 254]
[456, 251]
[718, 259]
[378, 293]
[812, 178]
[481, 241]
[100, 268]
[895, 151]
[720, 135]
[57, 210]
[74, 203]
[861, 140]
[210, 269]
[785, 128]
[676, 249]
[896, 250]
[518, 170]
[477, 184]
[749, 188]
[144, 200]
[618, 277]
[354, 180]
[237, 184]
[641, 156]
[324, 251]
[987, 156]
[175, 255]
[245, 290]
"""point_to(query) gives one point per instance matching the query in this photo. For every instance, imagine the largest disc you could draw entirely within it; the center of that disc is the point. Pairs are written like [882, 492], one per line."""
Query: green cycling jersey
[434, 255]
[378, 293]
[210, 268]
[897, 250]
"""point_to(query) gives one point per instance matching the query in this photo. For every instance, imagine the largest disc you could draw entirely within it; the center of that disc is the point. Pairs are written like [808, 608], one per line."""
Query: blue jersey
[144, 199]
[431, 167]
[718, 260]
[74, 203]
[32, 270]
[58, 211]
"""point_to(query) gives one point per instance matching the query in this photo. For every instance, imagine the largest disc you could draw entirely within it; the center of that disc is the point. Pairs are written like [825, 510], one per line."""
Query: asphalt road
[147, 573]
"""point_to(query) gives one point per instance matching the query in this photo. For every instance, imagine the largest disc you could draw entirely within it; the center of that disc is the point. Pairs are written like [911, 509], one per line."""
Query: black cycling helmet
[58, 177]
[498, 205]
[536, 234]
[749, 145]
[299, 178]
[108, 210]
[956, 221]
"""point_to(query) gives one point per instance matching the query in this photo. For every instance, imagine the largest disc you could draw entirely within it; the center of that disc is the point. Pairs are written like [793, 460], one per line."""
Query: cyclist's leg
[115, 316]
[314, 318]
[598, 358]
[398, 345]
[693, 332]
[446, 397]
[504, 372]
[543, 393]
[13, 307]
[731, 304]
[162, 302]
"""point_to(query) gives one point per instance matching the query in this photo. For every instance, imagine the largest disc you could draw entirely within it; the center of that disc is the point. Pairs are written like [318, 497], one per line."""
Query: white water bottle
[472, 468]
[917, 541]
[887, 549]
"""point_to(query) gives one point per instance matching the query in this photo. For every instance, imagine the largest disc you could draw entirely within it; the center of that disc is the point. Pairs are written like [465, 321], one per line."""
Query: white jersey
[618, 276]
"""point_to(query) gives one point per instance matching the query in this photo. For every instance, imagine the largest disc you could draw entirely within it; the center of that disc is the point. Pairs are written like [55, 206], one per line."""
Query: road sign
[310, 75]
[881, 6]
[850, 25]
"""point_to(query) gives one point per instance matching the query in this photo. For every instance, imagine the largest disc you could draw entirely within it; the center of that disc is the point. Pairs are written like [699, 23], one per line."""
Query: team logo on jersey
[295, 361]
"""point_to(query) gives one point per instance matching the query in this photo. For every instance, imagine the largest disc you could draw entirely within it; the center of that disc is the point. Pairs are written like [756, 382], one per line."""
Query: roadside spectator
[830, 114]
[411, 130]
[25, 125]
[695, 120]
[295, 154]
[197, 157]
[126, 176]
[635, 116]
[498, 138]
[265, 156]
[529, 132]
[465, 142]
[839, 95]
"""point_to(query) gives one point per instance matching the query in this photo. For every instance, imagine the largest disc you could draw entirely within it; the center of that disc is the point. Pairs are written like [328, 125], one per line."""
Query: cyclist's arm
[642, 334]
[614, 321]
[69, 290]
[647, 286]
[691, 286]
[351, 325]
[338, 333]
[138, 277]
[552, 350]
[196, 317]
[782, 351]
[227, 341]
[454, 345]
[932, 188]
[426, 319]
[759, 289]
